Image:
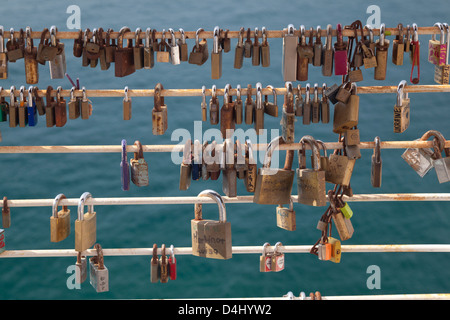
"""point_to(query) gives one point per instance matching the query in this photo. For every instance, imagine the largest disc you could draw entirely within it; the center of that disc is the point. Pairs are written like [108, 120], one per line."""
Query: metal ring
[81, 203]
[218, 199]
[56, 201]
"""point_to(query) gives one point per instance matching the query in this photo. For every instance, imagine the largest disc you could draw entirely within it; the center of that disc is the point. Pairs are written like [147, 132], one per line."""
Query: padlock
[225, 41]
[40, 105]
[138, 50]
[210, 238]
[324, 249]
[74, 105]
[50, 108]
[324, 106]
[85, 225]
[213, 158]
[3, 57]
[332, 91]
[274, 186]
[340, 169]
[99, 274]
[186, 167]
[86, 106]
[318, 46]
[126, 105]
[123, 56]
[336, 251]
[265, 260]
[80, 269]
[440, 164]
[216, 56]
[183, 47]
[2, 240]
[13, 108]
[310, 182]
[315, 105]
[437, 50]
[304, 53]
[58, 64]
[155, 269]
[401, 109]
[256, 50]
[15, 48]
[229, 180]
[251, 173]
[307, 105]
[227, 120]
[381, 53]
[60, 109]
[398, 47]
[376, 168]
[164, 266]
[299, 102]
[328, 54]
[78, 45]
[278, 260]
[271, 108]
[6, 214]
[340, 54]
[442, 73]
[31, 64]
[344, 208]
[22, 109]
[324, 161]
[288, 116]
[289, 54]
[31, 109]
[214, 106]
[124, 168]
[85, 61]
[249, 106]
[259, 111]
[91, 53]
[346, 115]
[199, 53]
[139, 167]
[59, 221]
[265, 49]
[420, 159]
[343, 225]
[149, 54]
[351, 143]
[172, 264]
[344, 92]
[45, 52]
[159, 112]
[286, 217]
[174, 49]
[4, 107]
[104, 64]
[238, 106]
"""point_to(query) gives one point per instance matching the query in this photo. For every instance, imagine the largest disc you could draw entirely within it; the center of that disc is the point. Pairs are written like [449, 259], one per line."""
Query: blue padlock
[124, 168]
[31, 109]
[196, 170]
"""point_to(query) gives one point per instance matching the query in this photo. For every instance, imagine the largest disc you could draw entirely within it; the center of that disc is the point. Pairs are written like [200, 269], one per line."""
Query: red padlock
[340, 54]
[172, 265]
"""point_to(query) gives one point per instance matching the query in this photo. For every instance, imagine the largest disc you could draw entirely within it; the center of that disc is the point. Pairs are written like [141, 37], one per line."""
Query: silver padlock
[99, 275]
[441, 165]
[80, 269]
[58, 64]
[174, 49]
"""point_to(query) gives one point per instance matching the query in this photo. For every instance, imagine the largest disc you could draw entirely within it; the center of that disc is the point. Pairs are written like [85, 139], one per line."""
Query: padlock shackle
[100, 260]
[321, 144]
[439, 137]
[259, 104]
[163, 254]
[400, 94]
[56, 201]
[30, 96]
[315, 152]
[217, 198]
[124, 150]
[140, 153]
[157, 99]
[264, 249]
[216, 44]
[81, 203]
[274, 93]
[48, 96]
[122, 31]
[155, 254]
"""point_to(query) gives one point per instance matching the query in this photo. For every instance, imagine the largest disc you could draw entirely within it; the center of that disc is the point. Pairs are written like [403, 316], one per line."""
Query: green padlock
[346, 211]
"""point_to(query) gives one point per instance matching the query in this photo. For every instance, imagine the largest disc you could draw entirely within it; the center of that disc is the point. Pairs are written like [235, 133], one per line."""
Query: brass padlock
[398, 47]
[85, 225]
[256, 50]
[139, 167]
[60, 109]
[251, 173]
[271, 108]
[199, 53]
[86, 105]
[328, 54]
[74, 105]
[310, 182]
[346, 115]
[13, 114]
[31, 64]
[138, 50]
[381, 53]
[304, 53]
[340, 169]
[289, 54]
[183, 47]
[211, 238]
[59, 221]
[274, 186]
[186, 166]
[288, 116]
[265, 49]
[50, 108]
[216, 56]
[286, 217]
[159, 112]
[227, 112]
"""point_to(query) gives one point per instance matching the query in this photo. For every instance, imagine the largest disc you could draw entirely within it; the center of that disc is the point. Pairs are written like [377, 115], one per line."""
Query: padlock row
[345, 57]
